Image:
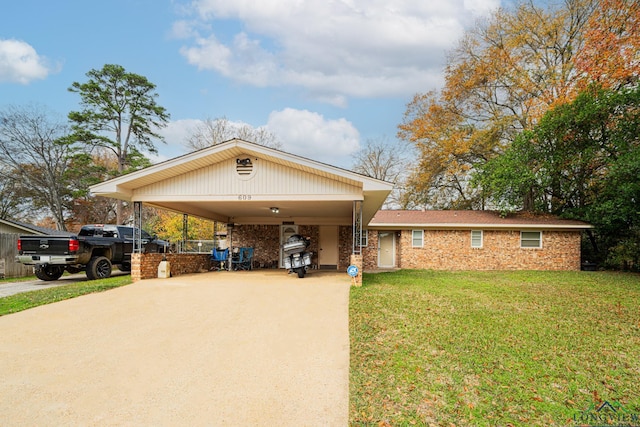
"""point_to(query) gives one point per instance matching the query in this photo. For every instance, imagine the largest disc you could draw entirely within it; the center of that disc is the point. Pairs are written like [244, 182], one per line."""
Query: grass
[26, 300]
[493, 349]
[17, 279]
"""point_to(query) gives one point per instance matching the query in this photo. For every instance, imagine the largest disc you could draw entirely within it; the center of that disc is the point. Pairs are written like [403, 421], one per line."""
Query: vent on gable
[244, 167]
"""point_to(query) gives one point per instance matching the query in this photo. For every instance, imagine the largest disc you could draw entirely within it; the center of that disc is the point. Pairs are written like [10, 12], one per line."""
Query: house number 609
[244, 197]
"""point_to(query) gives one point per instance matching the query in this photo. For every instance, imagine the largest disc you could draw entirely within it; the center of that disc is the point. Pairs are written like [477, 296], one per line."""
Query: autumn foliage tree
[502, 77]
[610, 55]
[169, 226]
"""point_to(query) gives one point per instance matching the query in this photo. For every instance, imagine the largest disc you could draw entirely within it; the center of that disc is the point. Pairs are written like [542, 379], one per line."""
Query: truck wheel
[125, 266]
[300, 272]
[49, 272]
[99, 267]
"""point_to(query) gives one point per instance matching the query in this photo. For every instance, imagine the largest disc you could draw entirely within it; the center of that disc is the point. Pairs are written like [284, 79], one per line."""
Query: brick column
[357, 261]
[136, 267]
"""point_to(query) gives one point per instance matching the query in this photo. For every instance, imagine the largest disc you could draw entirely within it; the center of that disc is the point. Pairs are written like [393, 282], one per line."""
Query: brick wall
[370, 252]
[451, 250]
[145, 266]
[345, 247]
[265, 241]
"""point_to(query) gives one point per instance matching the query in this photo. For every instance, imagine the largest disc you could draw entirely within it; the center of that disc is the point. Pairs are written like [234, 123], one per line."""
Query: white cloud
[481, 7]
[300, 132]
[177, 131]
[175, 134]
[311, 135]
[20, 63]
[350, 48]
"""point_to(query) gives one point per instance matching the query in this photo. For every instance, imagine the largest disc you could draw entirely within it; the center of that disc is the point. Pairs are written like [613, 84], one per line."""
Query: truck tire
[49, 272]
[300, 272]
[99, 267]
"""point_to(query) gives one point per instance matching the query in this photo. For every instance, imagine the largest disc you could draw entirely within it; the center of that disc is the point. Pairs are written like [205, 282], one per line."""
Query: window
[364, 239]
[531, 239]
[417, 238]
[476, 238]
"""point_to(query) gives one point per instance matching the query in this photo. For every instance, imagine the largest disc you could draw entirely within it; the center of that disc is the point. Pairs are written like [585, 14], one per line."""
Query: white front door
[328, 247]
[386, 249]
[286, 231]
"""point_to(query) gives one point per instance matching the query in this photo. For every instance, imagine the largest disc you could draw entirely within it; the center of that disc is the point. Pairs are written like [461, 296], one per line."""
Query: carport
[263, 195]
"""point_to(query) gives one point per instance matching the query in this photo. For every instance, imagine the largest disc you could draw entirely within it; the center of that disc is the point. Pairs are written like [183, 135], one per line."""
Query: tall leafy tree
[500, 79]
[119, 113]
[612, 41]
[36, 156]
[582, 160]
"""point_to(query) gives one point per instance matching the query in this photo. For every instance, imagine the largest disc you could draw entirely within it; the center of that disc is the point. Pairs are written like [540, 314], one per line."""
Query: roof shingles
[468, 218]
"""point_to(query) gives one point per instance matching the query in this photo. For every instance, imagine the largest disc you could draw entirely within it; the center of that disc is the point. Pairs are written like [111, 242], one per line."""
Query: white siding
[220, 180]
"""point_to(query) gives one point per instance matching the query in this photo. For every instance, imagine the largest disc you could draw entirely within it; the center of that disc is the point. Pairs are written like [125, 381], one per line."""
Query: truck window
[110, 231]
[90, 231]
[127, 232]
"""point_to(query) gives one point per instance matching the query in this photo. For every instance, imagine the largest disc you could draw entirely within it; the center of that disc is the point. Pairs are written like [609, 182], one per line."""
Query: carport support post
[357, 261]
[185, 231]
[356, 241]
[136, 256]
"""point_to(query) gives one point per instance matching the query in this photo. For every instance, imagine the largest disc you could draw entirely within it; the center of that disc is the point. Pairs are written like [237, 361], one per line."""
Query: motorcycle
[296, 258]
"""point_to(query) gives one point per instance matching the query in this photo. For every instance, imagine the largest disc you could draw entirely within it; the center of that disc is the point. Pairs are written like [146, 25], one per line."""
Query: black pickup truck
[93, 250]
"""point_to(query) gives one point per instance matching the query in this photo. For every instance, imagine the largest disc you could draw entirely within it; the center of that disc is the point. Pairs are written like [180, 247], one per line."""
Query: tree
[36, 156]
[612, 41]
[119, 113]
[10, 199]
[215, 131]
[168, 226]
[581, 161]
[502, 77]
[381, 160]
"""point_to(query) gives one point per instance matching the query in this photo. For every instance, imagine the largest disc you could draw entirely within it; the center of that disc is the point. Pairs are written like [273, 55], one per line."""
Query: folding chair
[243, 260]
[219, 256]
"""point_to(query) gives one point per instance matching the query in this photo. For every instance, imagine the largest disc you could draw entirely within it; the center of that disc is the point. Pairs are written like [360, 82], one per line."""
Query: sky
[324, 76]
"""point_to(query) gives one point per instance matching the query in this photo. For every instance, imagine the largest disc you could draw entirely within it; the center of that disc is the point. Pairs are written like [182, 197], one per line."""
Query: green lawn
[25, 300]
[494, 348]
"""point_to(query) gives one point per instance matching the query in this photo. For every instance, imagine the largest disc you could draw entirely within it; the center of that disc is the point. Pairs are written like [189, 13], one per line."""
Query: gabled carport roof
[373, 191]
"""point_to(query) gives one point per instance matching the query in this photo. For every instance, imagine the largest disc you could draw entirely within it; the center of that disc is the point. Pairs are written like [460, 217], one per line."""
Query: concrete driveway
[221, 348]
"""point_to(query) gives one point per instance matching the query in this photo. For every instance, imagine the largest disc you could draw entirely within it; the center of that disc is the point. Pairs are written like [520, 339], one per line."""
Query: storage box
[306, 258]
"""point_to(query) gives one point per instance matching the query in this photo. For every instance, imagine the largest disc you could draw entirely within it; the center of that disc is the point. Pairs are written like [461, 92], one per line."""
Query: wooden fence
[8, 252]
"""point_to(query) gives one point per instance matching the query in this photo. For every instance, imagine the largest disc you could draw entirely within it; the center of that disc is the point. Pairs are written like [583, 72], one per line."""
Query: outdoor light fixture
[275, 210]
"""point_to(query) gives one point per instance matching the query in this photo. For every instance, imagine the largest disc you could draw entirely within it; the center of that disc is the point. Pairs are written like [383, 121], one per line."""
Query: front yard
[27, 300]
[495, 349]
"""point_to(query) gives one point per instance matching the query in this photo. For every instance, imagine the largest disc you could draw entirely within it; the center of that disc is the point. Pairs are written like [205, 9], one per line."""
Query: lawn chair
[244, 259]
[219, 257]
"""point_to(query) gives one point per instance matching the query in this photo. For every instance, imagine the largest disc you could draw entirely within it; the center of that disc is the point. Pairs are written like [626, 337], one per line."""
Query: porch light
[275, 210]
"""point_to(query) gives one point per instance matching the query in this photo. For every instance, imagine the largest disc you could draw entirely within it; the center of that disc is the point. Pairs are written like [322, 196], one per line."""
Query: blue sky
[324, 76]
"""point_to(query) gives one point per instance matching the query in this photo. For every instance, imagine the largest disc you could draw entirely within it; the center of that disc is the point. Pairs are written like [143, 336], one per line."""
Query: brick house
[264, 195]
[472, 240]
